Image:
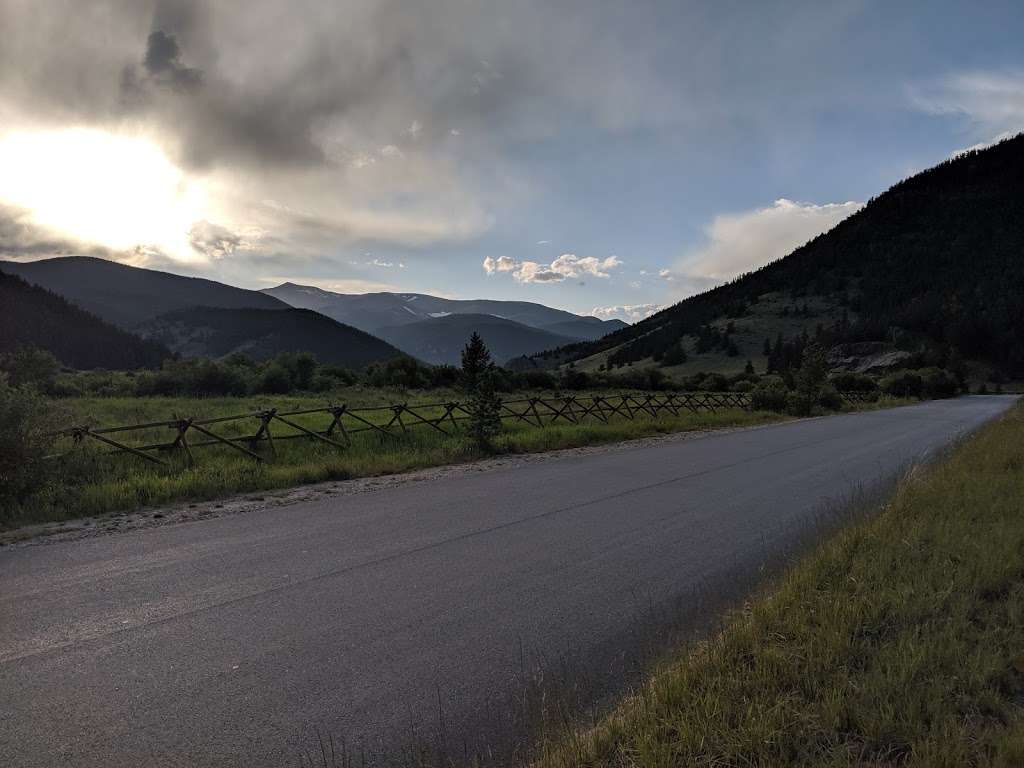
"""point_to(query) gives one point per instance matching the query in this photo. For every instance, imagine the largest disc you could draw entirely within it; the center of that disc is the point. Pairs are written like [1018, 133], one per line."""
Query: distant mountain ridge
[374, 311]
[125, 295]
[441, 339]
[196, 316]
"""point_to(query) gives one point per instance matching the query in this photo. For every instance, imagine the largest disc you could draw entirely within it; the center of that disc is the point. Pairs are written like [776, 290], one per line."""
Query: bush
[853, 382]
[30, 367]
[742, 386]
[25, 418]
[902, 384]
[829, 398]
[275, 380]
[937, 383]
[769, 395]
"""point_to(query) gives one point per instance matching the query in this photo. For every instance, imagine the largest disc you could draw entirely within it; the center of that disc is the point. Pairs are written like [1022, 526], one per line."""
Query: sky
[608, 158]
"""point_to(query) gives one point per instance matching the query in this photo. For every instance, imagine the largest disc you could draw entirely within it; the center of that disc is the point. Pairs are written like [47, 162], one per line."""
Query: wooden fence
[180, 436]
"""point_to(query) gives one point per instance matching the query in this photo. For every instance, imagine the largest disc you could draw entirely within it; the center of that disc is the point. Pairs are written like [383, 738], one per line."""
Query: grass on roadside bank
[898, 642]
[88, 481]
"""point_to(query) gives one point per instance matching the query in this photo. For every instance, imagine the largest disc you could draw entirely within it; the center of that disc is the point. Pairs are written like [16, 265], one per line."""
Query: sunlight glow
[101, 188]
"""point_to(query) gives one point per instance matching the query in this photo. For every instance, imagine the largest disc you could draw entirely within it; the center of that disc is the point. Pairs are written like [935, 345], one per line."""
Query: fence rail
[181, 436]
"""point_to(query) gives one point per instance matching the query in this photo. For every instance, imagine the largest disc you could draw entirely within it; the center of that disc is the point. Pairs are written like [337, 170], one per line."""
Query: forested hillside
[264, 333]
[936, 261]
[31, 316]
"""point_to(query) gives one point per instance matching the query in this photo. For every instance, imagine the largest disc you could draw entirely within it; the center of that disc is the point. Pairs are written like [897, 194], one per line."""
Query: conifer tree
[478, 377]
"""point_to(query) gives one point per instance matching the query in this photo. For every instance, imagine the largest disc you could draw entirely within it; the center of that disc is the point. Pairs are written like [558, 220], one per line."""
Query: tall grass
[90, 481]
[898, 642]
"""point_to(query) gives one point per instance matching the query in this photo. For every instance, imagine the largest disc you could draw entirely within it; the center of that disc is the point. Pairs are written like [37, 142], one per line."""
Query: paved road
[224, 642]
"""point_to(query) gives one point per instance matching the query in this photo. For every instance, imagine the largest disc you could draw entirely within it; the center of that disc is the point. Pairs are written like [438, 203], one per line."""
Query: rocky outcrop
[872, 357]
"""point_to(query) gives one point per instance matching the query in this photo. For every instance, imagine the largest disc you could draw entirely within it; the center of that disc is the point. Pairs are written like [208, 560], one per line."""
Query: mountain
[585, 328]
[441, 339]
[127, 296]
[264, 333]
[34, 317]
[934, 265]
[373, 311]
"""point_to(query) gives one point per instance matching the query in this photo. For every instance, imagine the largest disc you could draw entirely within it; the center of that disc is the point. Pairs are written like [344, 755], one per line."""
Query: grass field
[89, 481]
[900, 642]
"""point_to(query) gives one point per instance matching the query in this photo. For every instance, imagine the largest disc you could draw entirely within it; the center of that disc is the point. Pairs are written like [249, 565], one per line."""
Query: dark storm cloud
[268, 83]
[163, 62]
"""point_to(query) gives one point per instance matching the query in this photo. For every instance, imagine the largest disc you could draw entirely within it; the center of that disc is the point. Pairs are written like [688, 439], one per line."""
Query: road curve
[222, 642]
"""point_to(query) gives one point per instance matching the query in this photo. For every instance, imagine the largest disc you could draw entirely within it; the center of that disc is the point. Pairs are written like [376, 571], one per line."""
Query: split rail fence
[253, 430]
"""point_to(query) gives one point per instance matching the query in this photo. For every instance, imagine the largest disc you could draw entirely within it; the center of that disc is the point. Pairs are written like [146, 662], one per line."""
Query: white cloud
[500, 264]
[629, 312]
[568, 266]
[741, 242]
[993, 102]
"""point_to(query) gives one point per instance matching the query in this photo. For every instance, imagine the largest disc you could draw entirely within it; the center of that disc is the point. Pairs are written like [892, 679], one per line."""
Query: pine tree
[476, 359]
[484, 406]
[810, 377]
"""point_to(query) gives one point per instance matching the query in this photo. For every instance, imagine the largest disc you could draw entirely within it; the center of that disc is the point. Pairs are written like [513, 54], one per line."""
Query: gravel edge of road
[187, 512]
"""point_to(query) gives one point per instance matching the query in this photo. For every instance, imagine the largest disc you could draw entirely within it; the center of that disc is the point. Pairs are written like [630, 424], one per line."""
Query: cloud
[163, 62]
[629, 312]
[568, 266]
[500, 264]
[214, 241]
[992, 102]
[22, 238]
[741, 242]
[347, 117]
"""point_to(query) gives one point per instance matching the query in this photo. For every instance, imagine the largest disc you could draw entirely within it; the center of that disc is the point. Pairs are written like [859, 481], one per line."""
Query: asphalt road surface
[227, 641]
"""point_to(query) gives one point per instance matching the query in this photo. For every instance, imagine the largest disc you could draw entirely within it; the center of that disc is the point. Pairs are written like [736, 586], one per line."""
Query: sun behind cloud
[102, 188]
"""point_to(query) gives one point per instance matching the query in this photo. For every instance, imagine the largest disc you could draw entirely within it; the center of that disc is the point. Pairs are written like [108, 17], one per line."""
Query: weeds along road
[230, 641]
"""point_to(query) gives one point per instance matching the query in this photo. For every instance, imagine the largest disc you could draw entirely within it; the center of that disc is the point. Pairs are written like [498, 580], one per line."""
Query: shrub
[769, 395]
[853, 382]
[275, 380]
[830, 398]
[937, 383]
[742, 386]
[902, 384]
[25, 418]
[537, 380]
[714, 382]
[30, 367]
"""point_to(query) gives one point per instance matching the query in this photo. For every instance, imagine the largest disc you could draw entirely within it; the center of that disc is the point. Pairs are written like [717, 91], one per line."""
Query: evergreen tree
[810, 377]
[476, 359]
[478, 378]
